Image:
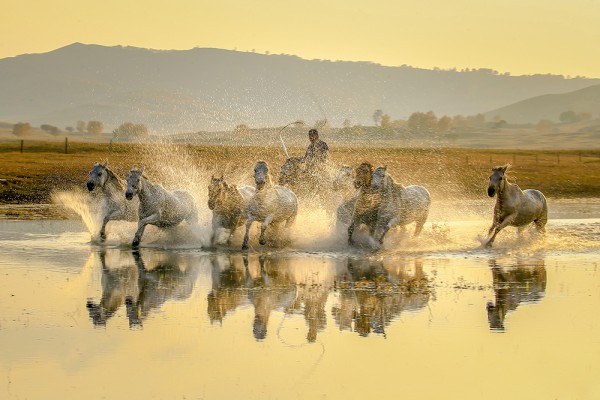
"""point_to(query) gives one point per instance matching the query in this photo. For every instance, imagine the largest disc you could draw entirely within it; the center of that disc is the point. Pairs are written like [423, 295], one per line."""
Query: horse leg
[386, 228]
[505, 222]
[350, 232]
[245, 242]
[103, 227]
[540, 223]
[108, 217]
[141, 226]
[263, 228]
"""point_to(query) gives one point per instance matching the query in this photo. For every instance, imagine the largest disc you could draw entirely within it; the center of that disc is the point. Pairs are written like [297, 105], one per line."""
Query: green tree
[568, 116]
[420, 122]
[241, 129]
[444, 124]
[50, 129]
[80, 126]
[21, 128]
[386, 121]
[94, 127]
[129, 130]
[377, 117]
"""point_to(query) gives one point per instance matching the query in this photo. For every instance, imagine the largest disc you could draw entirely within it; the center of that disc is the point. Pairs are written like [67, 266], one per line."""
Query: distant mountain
[550, 106]
[213, 89]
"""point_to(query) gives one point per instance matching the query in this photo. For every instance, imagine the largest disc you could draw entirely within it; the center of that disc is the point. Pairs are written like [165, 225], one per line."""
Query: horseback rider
[317, 153]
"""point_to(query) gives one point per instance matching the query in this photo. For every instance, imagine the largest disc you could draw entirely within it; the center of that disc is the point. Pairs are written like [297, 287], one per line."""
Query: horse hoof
[262, 242]
[245, 247]
[135, 243]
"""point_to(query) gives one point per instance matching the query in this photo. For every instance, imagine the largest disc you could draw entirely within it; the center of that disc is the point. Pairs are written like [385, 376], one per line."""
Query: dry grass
[30, 177]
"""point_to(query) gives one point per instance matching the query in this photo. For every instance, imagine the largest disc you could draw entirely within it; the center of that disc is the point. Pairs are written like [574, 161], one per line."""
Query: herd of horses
[366, 196]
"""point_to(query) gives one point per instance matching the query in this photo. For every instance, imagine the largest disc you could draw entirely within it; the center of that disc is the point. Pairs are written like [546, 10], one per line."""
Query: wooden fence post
[22, 141]
[66, 145]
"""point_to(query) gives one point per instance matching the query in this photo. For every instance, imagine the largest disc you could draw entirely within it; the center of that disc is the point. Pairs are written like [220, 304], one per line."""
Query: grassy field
[31, 176]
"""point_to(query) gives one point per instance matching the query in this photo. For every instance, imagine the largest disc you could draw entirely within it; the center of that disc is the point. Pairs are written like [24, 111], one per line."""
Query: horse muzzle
[260, 185]
[128, 195]
[491, 191]
[90, 186]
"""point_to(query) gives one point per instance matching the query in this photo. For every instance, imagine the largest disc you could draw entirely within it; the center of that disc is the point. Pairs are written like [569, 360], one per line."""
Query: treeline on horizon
[417, 123]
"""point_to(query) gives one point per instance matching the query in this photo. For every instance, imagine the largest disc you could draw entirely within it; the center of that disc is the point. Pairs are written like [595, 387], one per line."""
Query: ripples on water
[185, 320]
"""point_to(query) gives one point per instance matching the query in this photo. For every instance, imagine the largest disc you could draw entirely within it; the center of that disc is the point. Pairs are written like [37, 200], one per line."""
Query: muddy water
[437, 317]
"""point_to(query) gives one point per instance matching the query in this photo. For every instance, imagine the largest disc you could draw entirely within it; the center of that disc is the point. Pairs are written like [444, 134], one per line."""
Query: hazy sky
[516, 36]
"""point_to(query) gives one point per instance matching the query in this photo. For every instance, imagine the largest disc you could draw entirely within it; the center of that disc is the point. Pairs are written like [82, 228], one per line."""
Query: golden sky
[515, 36]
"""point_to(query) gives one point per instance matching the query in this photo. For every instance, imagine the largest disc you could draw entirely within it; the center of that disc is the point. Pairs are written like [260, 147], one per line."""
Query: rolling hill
[206, 89]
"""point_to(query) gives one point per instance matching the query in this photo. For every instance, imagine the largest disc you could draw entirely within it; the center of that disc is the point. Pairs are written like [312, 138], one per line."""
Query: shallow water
[434, 317]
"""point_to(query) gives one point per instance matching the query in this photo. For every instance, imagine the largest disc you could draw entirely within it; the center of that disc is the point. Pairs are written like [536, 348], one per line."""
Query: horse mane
[118, 182]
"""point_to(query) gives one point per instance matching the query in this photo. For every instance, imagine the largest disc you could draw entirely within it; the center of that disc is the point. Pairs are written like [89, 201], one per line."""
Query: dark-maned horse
[367, 202]
[228, 204]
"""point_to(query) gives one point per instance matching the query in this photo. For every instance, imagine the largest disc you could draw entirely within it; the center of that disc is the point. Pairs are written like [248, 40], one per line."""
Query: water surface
[435, 317]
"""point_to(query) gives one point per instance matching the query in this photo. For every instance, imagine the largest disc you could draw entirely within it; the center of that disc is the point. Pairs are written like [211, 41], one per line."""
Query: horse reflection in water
[372, 294]
[168, 277]
[119, 281]
[229, 290]
[523, 283]
[270, 284]
[129, 281]
[114, 207]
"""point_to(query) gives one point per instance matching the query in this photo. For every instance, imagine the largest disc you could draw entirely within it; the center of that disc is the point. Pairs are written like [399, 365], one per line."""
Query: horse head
[134, 183]
[378, 178]
[497, 180]
[97, 176]
[363, 175]
[261, 175]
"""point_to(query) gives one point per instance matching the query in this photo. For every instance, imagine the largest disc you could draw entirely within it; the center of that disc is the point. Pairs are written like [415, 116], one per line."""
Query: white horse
[228, 204]
[399, 205]
[158, 206]
[514, 207]
[114, 206]
[271, 204]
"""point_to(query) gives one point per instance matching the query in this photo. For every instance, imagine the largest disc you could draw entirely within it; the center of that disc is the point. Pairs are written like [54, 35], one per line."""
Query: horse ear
[141, 170]
[385, 167]
[105, 164]
[504, 168]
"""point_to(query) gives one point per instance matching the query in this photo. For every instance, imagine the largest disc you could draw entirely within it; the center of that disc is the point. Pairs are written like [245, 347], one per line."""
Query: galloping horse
[367, 202]
[158, 206]
[399, 205]
[514, 207]
[114, 206]
[310, 182]
[270, 204]
[228, 204]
